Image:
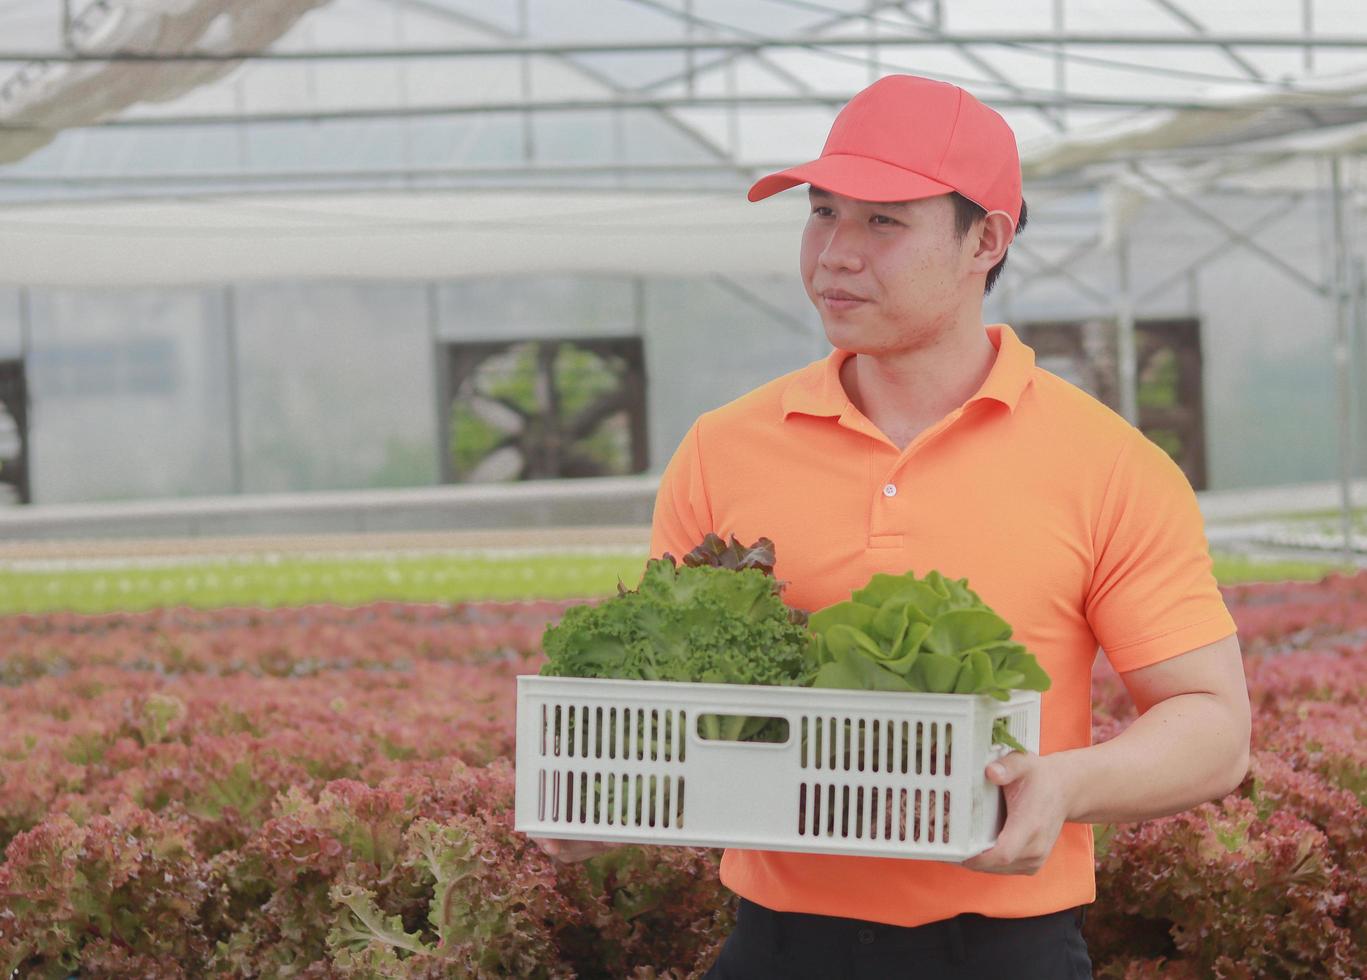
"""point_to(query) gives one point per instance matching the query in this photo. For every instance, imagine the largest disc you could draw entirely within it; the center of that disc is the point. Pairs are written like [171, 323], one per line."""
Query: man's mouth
[839, 299]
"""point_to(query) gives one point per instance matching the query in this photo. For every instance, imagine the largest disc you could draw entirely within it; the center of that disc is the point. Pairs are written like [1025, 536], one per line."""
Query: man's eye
[821, 210]
[882, 219]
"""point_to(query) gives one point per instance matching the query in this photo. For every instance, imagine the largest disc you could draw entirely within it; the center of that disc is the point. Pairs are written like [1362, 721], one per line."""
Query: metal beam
[1343, 373]
[691, 70]
[1308, 26]
[232, 382]
[1182, 15]
[814, 31]
[832, 100]
[1057, 269]
[1239, 60]
[441, 383]
[68, 44]
[1078, 251]
[1189, 268]
[1054, 116]
[1234, 234]
[794, 324]
[705, 143]
[253, 177]
[1126, 361]
[1080, 39]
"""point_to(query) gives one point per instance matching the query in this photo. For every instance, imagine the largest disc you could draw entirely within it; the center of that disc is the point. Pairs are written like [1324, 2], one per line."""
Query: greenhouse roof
[439, 137]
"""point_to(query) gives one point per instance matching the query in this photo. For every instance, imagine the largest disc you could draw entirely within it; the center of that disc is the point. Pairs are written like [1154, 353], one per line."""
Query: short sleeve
[1153, 593]
[683, 516]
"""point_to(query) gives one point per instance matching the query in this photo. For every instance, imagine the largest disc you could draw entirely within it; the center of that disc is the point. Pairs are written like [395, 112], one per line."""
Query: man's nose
[842, 249]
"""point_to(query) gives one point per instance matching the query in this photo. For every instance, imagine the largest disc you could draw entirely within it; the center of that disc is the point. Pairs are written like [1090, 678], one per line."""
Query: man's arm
[1189, 744]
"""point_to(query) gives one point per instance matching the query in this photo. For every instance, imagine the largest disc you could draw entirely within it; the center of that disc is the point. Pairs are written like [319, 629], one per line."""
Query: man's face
[885, 277]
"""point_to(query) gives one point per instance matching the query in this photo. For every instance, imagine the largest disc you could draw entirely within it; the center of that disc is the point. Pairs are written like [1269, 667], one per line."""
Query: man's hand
[570, 851]
[1036, 807]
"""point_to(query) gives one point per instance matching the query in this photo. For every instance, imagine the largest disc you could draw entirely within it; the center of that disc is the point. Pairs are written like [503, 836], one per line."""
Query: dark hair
[966, 214]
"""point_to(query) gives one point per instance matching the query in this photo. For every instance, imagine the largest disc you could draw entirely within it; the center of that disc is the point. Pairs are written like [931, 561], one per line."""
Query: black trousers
[795, 946]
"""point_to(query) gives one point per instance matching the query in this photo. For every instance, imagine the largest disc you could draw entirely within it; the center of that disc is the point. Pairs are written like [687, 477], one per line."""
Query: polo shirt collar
[817, 389]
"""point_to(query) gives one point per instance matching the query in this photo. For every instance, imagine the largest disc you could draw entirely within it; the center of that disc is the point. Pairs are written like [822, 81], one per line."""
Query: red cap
[905, 138]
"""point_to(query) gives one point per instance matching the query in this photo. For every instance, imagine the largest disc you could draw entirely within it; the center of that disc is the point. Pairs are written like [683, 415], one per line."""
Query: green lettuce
[935, 635]
[704, 623]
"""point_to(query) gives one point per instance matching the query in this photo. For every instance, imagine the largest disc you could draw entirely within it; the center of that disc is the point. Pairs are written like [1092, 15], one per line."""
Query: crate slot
[867, 813]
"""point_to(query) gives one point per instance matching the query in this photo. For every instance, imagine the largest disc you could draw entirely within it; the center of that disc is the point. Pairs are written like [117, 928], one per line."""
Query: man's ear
[994, 236]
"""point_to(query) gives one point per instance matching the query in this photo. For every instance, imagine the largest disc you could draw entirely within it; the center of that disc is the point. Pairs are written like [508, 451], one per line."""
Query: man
[927, 439]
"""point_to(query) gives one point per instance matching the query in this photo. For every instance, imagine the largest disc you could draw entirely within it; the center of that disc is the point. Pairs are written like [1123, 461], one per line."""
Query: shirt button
[889, 490]
[866, 936]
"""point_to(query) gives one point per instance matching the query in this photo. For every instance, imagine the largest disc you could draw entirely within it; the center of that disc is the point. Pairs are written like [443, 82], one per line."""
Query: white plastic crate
[861, 772]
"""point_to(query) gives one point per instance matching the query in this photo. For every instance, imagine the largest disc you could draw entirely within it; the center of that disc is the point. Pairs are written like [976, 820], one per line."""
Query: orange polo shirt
[1067, 520]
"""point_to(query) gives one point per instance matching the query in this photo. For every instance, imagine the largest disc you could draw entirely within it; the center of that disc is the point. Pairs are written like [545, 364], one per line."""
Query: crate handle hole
[742, 728]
